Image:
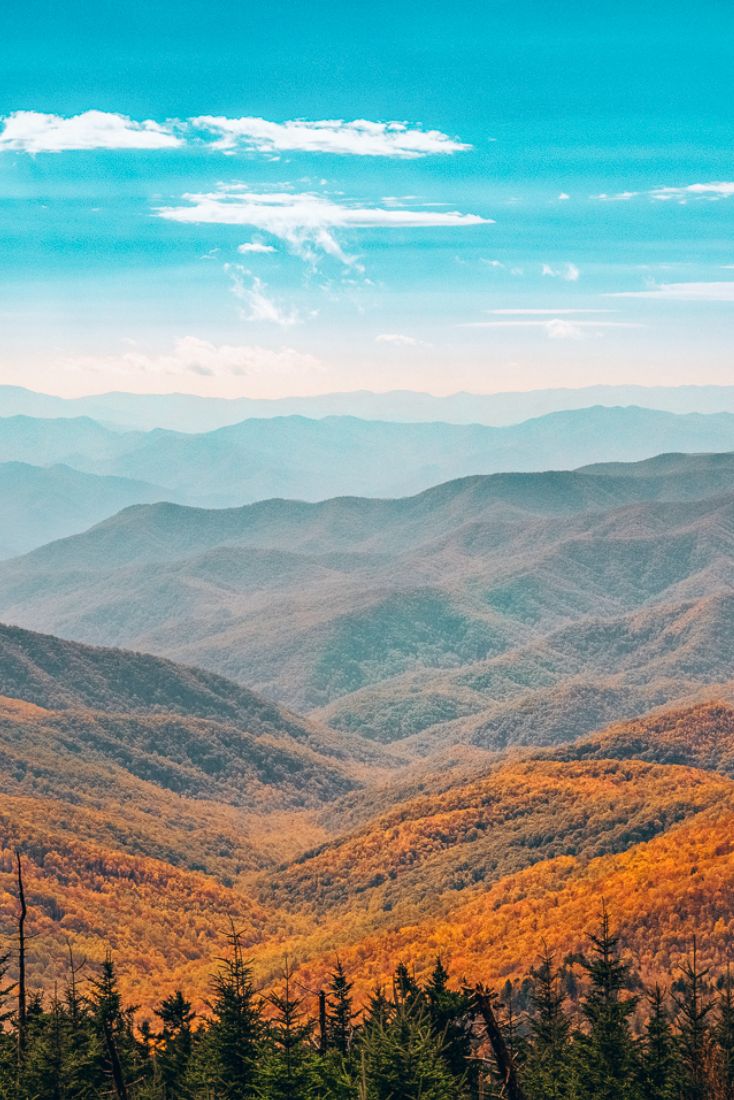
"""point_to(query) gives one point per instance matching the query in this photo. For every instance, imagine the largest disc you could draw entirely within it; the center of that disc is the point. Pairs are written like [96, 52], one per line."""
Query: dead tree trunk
[503, 1058]
[117, 1075]
[22, 1000]
[323, 1043]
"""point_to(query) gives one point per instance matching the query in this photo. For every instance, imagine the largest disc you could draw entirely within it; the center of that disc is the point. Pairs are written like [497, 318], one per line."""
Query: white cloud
[37, 132]
[684, 292]
[563, 197]
[32, 132]
[357, 138]
[256, 247]
[551, 312]
[256, 305]
[622, 196]
[712, 191]
[193, 356]
[568, 272]
[306, 222]
[556, 328]
[398, 339]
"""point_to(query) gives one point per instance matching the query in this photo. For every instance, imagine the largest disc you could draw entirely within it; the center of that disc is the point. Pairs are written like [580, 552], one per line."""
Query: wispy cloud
[568, 272]
[358, 138]
[306, 222]
[32, 132]
[255, 247]
[191, 356]
[684, 292]
[551, 312]
[400, 340]
[713, 191]
[256, 305]
[556, 328]
[620, 196]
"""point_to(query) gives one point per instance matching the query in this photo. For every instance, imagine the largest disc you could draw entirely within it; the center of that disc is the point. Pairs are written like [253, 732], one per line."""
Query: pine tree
[44, 1073]
[606, 1053]
[231, 1055]
[379, 1008]
[175, 1039]
[660, 1063]
[448, 1012]
[340, 1016]
[113, 1031]
[289, 1069]
[404, 1058]
[693, 1006]
[405, 987]
[724, 1036]
[547, 1071]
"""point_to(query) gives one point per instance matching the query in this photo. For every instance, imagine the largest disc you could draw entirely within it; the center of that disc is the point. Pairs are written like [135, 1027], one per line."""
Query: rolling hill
[153, 803]
[499, 610]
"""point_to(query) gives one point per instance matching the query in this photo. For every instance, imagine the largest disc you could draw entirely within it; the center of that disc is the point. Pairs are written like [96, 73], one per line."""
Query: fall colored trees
[585, 1028]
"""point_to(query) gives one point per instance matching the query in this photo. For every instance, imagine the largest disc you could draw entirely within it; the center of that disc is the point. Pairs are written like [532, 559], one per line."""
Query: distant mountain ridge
[188, 413]
[306, 459]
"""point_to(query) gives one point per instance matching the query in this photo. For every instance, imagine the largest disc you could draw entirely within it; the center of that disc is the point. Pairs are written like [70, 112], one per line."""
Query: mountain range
[447, 722]
[189, 413]
[509, 609]
[43, 494]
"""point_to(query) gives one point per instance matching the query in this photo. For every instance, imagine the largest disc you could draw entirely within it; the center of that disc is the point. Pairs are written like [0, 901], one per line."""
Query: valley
[381, 729]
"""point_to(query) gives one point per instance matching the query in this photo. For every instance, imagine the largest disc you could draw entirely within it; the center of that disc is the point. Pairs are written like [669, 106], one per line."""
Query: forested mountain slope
[198, 803]
[499, 610]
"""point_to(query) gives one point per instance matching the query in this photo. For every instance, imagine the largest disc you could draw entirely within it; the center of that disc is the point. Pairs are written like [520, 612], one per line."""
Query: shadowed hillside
[38, 504]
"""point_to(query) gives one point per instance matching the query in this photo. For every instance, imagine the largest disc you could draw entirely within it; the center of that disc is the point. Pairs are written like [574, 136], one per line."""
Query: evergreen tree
[693, 1005]
[404, 1058]
[379, 1008]
[405, 987]
[232, 1053]
[176, 1041]
[340, 1015]
[289, 1069]
[547, 1070]
[448, 1011]
[660, 1063]
[114, 1048]
[724, 1035]
[606, 1059]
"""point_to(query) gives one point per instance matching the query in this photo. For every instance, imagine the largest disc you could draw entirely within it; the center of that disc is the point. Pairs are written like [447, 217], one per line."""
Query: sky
[289, 198]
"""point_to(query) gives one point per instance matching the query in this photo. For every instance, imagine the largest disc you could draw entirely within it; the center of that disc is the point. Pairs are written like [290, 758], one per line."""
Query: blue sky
[290, 198]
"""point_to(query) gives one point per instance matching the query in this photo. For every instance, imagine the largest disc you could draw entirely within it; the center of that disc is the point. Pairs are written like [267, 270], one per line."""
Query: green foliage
[549, 1029]
[660, 1061]
[582, 1034]
[232, 1053]
[403, 1057]
[606, 1052]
